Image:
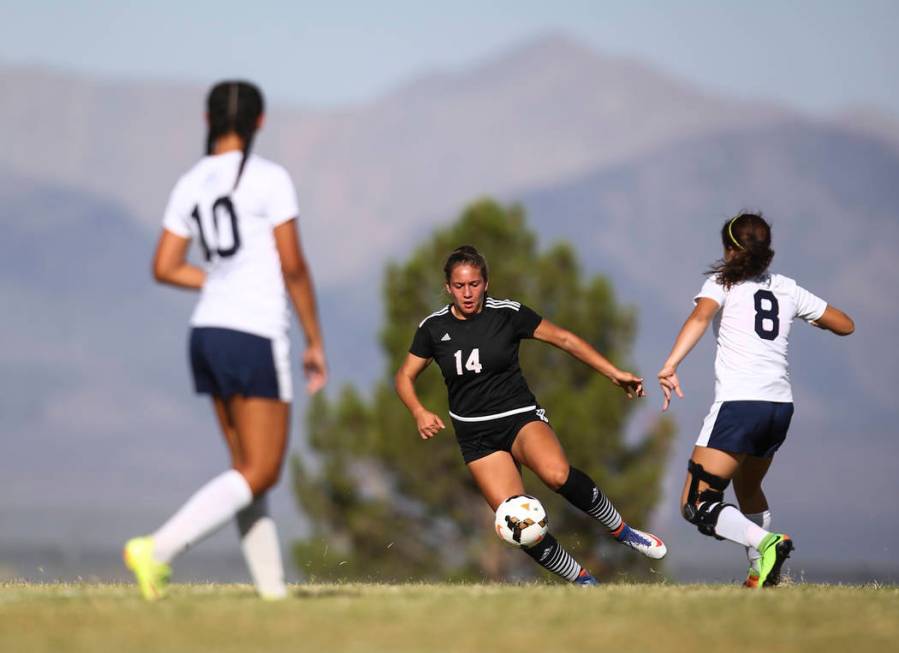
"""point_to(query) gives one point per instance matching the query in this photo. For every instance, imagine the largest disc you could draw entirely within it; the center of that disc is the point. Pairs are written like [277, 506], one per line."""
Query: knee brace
[702, 508]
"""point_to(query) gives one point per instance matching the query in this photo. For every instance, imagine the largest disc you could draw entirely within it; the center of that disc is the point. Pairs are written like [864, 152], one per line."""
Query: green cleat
[152, 576]
[775, 549]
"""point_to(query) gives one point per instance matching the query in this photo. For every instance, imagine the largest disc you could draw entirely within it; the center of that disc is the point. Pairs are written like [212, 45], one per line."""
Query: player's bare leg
[748, 484]
[258, 532]
[229, 430]
[498, 478]
[262, 427]
[538, 448]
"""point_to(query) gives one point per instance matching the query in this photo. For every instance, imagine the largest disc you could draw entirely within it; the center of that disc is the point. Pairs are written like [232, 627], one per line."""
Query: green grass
[404, 618]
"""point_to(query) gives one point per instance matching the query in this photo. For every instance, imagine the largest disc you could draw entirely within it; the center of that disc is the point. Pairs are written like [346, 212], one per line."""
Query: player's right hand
[630, 383]
[428, 424]
[669, 382]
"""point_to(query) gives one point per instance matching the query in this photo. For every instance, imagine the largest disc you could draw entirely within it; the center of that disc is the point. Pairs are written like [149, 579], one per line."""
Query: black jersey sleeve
[526, 322]
[421, 343]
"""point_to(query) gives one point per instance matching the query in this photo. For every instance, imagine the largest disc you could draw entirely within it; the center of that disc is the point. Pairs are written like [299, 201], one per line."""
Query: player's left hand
[315, 369]
[630, 383]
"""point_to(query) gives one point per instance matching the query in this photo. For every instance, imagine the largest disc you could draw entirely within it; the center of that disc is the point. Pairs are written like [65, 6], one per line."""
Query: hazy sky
[817, 55]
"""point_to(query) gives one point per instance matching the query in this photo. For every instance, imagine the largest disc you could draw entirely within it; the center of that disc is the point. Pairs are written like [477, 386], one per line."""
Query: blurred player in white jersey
[242, 211]
[752, 310]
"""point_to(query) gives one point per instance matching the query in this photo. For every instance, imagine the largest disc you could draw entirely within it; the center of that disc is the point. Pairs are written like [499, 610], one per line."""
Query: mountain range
[634, 167]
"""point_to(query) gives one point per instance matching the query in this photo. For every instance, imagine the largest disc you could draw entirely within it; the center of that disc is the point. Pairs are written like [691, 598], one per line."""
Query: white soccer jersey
[752, 329]
[244, 288]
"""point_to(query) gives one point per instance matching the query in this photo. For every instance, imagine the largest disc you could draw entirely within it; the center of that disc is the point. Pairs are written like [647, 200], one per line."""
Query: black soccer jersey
[479, 356]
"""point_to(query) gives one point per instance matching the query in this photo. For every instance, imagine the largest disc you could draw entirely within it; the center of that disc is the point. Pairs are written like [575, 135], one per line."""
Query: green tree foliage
[383, 504]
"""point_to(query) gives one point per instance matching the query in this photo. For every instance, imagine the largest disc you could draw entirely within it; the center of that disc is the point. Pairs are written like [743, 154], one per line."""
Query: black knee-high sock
[550, 555]
[581, 492]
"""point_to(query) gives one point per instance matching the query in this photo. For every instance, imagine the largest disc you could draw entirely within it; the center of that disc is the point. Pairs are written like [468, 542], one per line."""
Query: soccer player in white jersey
[498, 423]
[753, 310]
[242, 211]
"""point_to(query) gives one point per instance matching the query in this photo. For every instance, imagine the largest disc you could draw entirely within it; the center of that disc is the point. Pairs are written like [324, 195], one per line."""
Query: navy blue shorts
[757, 428]
[485, 436]
[226, 363]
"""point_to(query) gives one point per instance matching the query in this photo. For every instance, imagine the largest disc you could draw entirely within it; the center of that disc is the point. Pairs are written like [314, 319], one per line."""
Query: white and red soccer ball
[521, 521]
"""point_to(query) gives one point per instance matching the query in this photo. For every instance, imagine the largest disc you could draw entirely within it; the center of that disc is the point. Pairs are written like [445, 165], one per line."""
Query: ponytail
[748, 236]
[234, 106]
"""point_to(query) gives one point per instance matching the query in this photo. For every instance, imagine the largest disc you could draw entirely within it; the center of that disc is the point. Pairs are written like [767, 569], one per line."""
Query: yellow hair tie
[731, 233]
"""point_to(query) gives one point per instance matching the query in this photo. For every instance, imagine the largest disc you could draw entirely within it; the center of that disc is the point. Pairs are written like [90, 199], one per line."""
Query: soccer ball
[521, 521]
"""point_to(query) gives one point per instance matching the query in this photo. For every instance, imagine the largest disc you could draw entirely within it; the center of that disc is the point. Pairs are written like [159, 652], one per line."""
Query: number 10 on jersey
[473, 364]
[211, 240]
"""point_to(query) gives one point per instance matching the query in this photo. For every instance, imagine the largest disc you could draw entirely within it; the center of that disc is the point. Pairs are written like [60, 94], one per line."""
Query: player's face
[467, 287]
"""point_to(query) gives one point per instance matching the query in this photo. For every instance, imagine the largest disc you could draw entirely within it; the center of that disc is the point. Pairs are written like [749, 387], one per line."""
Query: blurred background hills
[638, 169]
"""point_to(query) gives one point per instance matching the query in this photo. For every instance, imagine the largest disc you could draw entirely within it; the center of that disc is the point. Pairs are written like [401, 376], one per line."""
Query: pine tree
[385, 505]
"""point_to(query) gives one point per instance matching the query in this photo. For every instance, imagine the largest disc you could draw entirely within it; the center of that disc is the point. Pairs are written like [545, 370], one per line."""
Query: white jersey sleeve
[177, 213]
[711, 289]
[808, 306]
[282, 198]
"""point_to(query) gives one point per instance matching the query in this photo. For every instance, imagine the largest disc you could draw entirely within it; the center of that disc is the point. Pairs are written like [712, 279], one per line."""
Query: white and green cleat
[774, 549]
[152, 576]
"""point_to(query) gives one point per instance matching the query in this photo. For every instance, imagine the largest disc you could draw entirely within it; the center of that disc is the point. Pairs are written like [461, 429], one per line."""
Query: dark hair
[465, 255]
[749, 237]
[234, 106]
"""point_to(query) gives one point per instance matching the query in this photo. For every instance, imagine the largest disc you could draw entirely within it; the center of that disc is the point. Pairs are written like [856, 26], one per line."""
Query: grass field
[399, 618]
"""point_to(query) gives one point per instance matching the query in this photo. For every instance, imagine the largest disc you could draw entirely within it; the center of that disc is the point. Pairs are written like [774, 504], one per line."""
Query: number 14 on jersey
[473, 364]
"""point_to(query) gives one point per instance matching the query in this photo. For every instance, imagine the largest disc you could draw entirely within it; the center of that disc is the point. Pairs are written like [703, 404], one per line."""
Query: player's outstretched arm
[689, 335]
[428, 423]
[298, 282]
[582, 350]
[170, 263]
[836, 321]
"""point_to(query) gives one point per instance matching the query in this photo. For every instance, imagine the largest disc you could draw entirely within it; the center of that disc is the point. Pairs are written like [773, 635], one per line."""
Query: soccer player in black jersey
[498, 422]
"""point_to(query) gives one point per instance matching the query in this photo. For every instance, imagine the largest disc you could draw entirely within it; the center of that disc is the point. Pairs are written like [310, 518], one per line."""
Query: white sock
[732, 525]
[762, 519]
[204, 513]
[259, 542]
